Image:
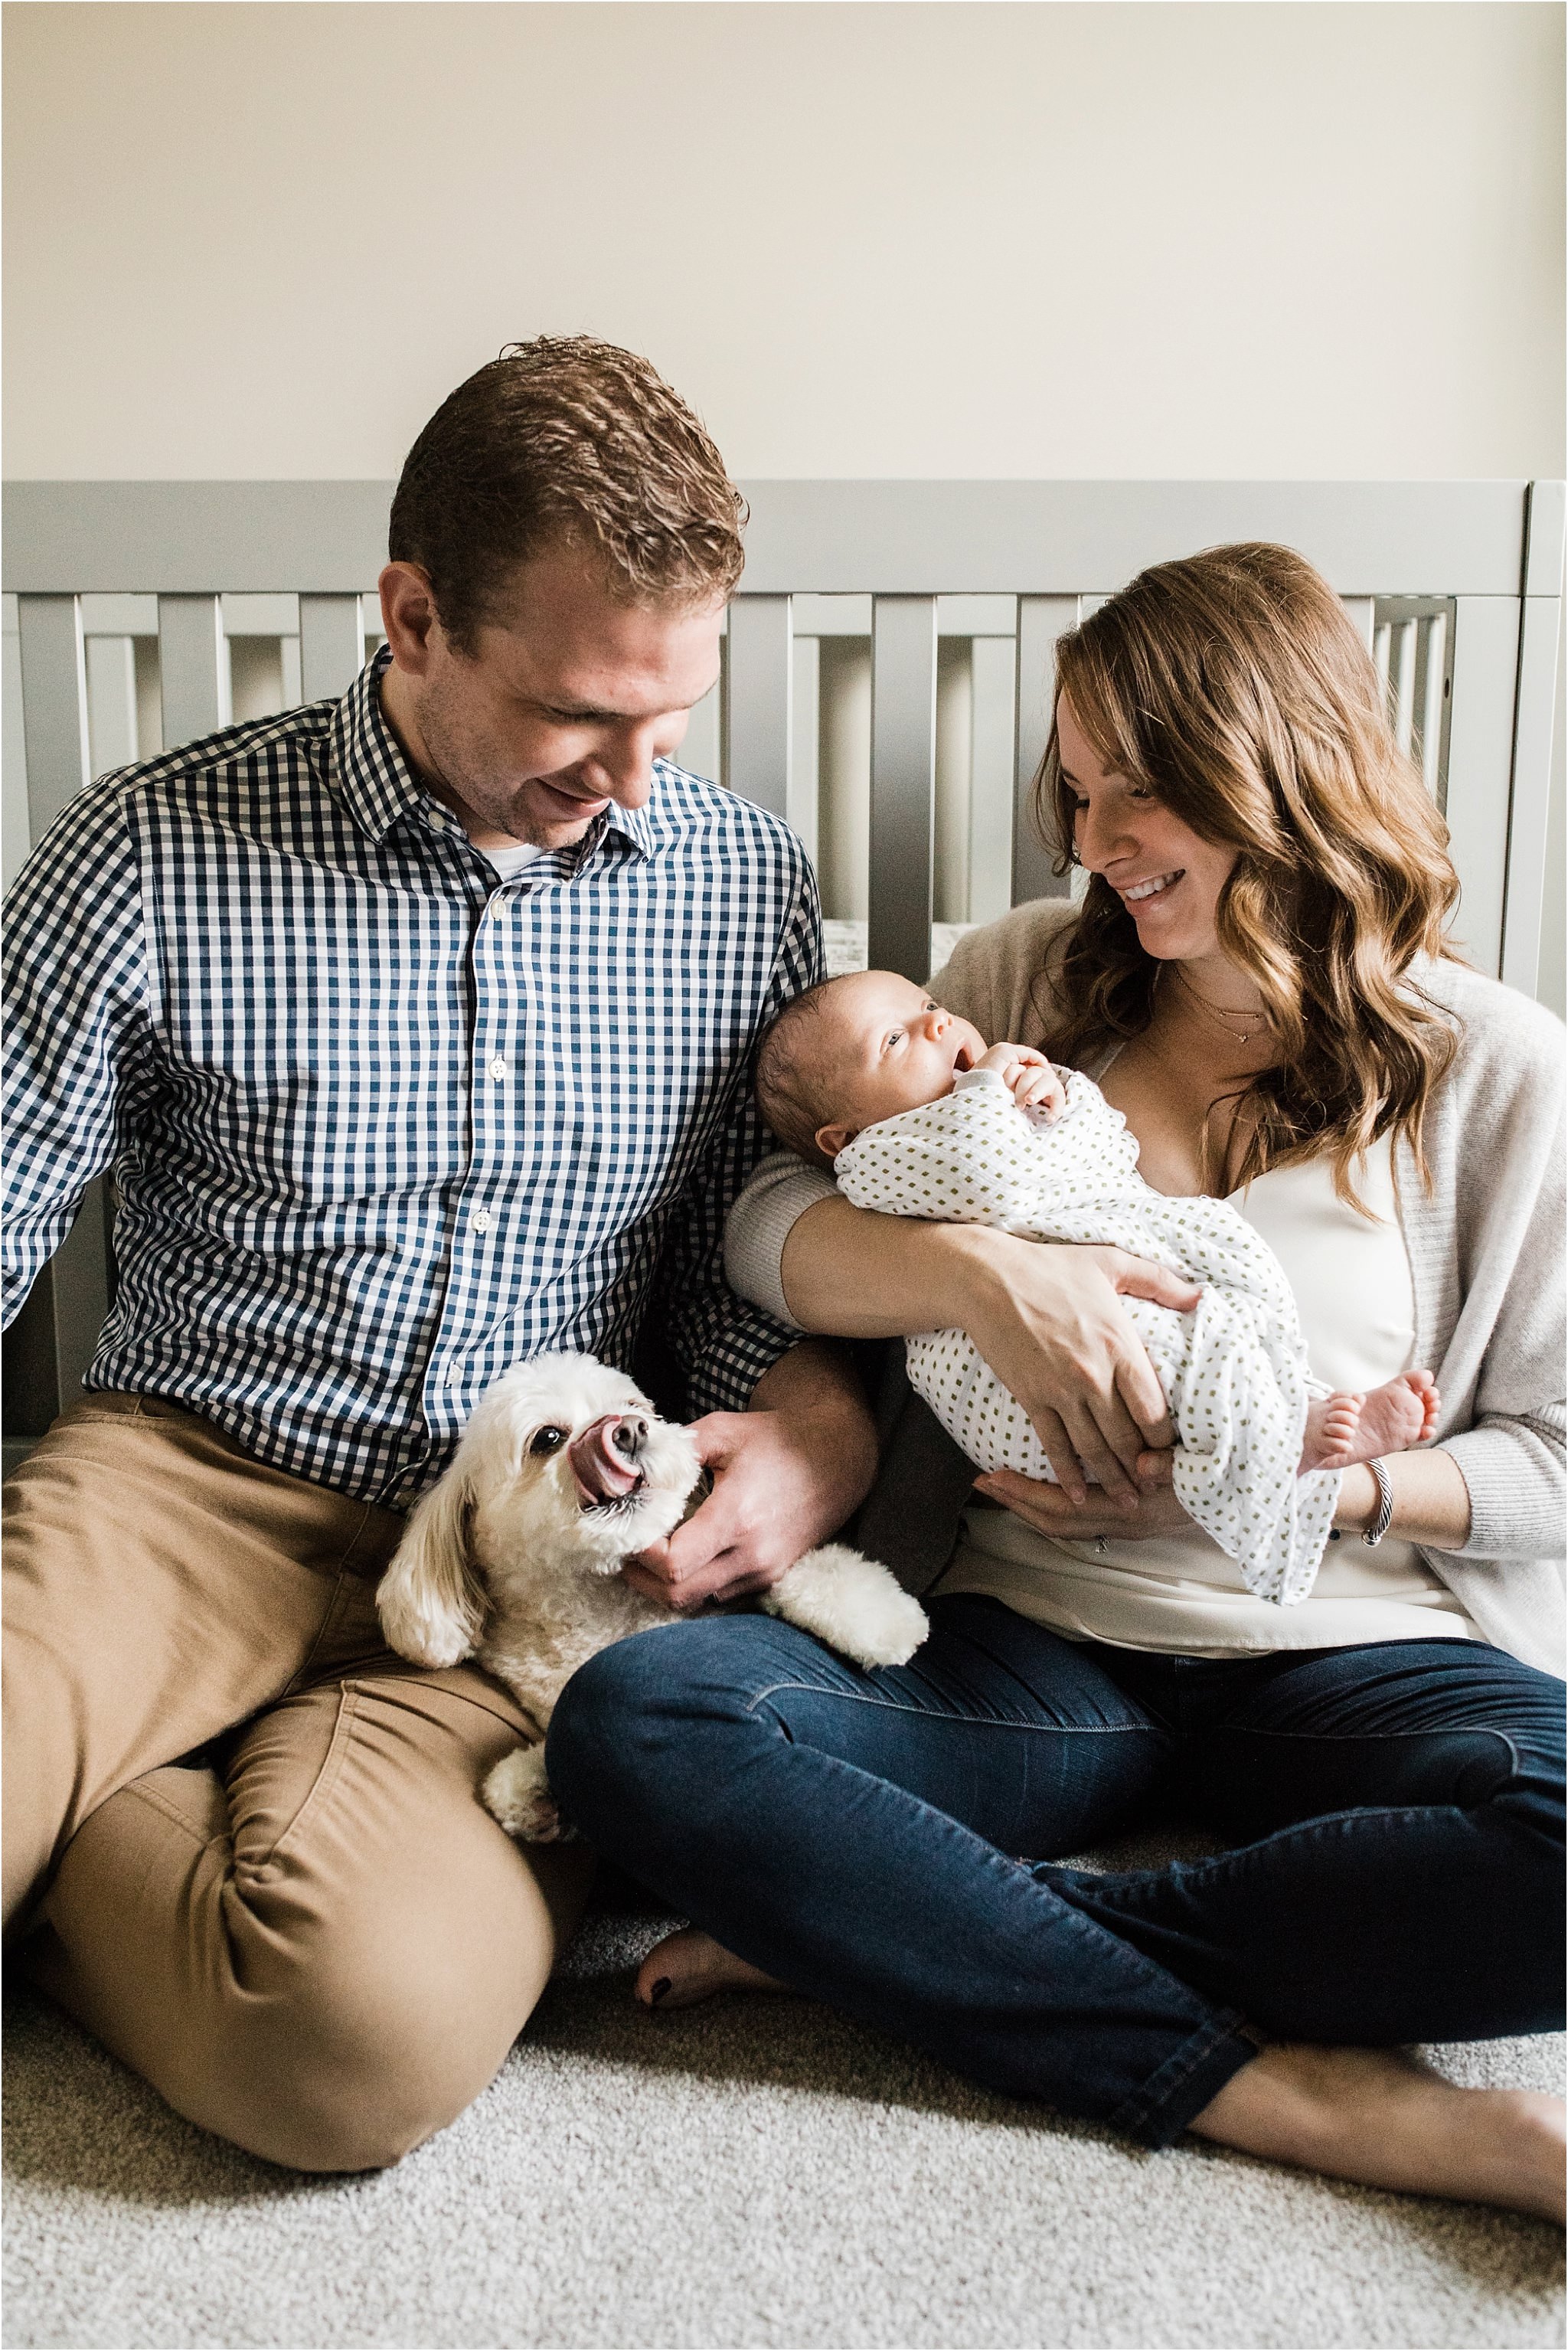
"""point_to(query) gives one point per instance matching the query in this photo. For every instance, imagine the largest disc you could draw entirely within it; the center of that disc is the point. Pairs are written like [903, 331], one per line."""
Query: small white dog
[514, 1555]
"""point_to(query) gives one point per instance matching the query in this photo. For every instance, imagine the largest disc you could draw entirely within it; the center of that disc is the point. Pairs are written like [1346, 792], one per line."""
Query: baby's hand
[1028, 1076]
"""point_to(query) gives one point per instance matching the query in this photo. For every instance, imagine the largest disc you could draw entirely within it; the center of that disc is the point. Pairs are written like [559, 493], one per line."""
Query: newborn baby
[918, 1118]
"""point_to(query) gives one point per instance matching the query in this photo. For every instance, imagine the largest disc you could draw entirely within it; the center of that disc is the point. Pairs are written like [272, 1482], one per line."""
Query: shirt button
[439, 820]
[481, 1220]
[497, 1067]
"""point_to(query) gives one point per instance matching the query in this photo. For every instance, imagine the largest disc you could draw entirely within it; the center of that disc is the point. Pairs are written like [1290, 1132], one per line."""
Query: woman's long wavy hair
[1234, 687]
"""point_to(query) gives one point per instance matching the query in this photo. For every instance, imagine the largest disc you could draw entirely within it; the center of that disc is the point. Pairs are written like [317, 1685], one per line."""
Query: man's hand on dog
[787, 1474]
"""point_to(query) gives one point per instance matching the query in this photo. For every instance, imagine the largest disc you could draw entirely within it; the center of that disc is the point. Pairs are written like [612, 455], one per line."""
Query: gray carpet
[757, 2172]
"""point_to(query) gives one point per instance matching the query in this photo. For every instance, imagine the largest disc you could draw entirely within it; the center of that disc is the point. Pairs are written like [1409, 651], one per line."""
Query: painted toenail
[656, 1992]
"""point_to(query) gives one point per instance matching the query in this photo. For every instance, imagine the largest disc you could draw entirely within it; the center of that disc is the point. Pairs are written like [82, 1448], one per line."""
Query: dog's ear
[431, 1609]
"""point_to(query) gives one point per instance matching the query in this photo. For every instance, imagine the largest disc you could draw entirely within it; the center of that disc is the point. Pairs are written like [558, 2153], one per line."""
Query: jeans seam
[1138, 1888]
[1447, 1730]
[1346, 1737]
[983, 1722]
[1134, 2114]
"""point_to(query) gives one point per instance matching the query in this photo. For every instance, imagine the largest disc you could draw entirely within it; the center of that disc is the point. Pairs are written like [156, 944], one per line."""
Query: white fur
[501, 1562]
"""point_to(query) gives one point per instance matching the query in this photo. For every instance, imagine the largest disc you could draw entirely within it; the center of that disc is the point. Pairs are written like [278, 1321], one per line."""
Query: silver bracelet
[1381, 1523]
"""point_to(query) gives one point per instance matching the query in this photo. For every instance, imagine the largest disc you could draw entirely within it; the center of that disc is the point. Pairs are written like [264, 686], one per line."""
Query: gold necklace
[1224, 1014]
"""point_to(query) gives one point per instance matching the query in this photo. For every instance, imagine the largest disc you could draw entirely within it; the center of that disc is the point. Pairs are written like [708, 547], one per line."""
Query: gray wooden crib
[886, 687]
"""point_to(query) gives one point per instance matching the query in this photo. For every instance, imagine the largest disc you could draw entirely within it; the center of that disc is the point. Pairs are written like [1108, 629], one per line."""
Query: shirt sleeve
[1511, 1456]
[777, 1194]
[75, 992]
[724, 1343]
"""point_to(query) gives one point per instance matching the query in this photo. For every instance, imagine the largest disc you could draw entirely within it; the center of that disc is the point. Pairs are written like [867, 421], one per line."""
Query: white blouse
[1178, 1592]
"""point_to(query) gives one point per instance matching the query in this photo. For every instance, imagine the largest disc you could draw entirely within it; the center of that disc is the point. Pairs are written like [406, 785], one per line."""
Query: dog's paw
[518, 1793]
[854, 1605]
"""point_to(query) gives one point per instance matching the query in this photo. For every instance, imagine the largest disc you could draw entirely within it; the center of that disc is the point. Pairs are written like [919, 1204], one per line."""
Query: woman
[1258, 978]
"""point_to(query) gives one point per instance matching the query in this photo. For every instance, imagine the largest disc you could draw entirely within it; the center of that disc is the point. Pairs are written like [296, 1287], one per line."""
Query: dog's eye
[547, 1440]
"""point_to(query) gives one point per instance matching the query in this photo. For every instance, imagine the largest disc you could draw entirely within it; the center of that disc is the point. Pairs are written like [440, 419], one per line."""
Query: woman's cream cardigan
[1486, 1246]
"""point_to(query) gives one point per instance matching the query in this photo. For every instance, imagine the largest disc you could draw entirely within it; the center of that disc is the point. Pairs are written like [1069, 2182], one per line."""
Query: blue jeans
[882, 1840]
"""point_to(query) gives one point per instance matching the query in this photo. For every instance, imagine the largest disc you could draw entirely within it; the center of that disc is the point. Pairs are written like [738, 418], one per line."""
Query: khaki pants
[325, 1951]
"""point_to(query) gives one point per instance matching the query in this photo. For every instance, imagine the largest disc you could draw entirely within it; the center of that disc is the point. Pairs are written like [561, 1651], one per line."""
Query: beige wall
[1105, 239]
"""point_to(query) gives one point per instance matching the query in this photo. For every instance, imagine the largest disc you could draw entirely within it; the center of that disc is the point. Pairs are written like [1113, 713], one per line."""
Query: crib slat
[14, 829]
[902, 783]
[1485, 666]
[805, 745]
[1433, 705]
[1528, 800]
[54, 703]
[193, 667]
[759, 716]
[110, 703]
[54, 717]
[331, 646]
[995, 672]
[1382, 653]
[1042, 620]
[1404, 691]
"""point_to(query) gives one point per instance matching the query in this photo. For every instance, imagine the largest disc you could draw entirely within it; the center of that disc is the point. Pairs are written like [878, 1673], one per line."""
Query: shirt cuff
[780, 1191]
[728, 1368]
[1514, 1473]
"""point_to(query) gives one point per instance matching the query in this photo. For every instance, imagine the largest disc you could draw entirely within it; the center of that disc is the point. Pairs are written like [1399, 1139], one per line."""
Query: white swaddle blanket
[1234, 1371]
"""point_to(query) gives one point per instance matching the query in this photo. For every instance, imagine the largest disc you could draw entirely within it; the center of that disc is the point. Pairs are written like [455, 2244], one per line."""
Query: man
[417, 1031]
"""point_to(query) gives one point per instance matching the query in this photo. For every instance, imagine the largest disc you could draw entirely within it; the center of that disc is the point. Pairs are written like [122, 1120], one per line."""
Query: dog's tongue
[603, 1472]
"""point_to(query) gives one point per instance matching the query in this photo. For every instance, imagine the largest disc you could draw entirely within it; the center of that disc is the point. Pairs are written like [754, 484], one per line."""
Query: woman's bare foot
[1390, 1419]
[689, 1966]
[1381, 2116]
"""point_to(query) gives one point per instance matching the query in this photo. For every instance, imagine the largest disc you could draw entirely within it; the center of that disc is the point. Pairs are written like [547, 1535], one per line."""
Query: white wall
[1104, 239]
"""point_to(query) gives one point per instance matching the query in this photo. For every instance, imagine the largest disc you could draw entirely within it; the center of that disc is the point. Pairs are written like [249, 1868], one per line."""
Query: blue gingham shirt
[379, 1122]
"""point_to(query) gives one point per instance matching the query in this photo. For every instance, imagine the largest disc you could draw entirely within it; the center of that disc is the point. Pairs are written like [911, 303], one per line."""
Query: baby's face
[890, 1048]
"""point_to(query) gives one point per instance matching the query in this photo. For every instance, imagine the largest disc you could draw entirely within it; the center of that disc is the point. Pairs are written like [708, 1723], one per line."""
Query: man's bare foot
[1390, 1419]
[689, 1966]
[1381, 2116]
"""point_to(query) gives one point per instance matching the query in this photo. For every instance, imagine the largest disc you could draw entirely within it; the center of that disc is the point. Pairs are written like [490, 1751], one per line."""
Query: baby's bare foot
[1389, 1419]
[1331, 1428]
[689, 1966]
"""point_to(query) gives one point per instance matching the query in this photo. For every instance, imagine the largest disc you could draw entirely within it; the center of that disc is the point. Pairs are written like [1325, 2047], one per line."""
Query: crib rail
[887, 686]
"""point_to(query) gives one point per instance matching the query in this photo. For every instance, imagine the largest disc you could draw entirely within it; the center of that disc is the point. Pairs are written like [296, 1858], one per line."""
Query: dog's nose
[604, 1456]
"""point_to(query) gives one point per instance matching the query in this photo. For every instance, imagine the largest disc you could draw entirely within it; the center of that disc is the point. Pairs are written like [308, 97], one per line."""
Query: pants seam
[981, 1721]
[1348, 1738]
[1445, 1731]
[343, 1579]
[171, 1813]
[1134, 2115]
[1145, 1885]
[320, 1789]
[475, 1697]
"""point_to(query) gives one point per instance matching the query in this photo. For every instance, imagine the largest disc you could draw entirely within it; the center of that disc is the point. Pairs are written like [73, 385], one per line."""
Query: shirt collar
[370, 772]
[368, 768]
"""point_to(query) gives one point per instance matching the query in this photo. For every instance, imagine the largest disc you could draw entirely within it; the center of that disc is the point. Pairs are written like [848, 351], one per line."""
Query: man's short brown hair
[566, 441]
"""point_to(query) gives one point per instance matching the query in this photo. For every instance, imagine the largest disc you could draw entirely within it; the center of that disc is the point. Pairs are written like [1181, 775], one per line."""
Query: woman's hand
[1046, 1315]
[1155, 1511]
[1048, 1319]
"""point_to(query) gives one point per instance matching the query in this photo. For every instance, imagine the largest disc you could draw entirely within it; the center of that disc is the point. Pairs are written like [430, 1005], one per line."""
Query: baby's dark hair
[791, 1082]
